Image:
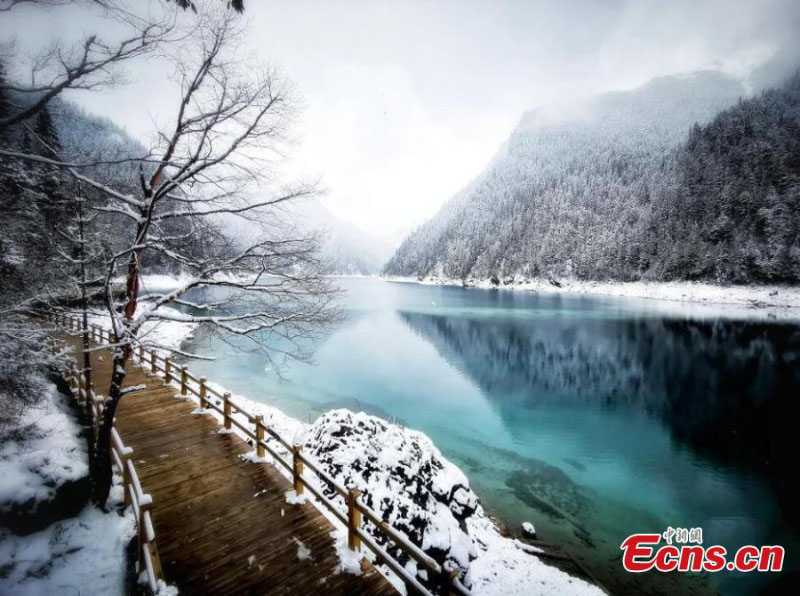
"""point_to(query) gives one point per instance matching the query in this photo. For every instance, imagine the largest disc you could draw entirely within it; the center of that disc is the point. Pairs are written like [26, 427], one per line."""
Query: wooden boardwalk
[222, 523]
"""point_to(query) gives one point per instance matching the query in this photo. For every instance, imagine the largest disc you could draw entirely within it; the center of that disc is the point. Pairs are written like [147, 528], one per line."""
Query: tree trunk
[102, 474]
[87, 362]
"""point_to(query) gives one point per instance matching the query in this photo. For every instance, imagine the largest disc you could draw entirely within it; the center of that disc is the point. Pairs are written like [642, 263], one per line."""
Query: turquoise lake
[592, 417]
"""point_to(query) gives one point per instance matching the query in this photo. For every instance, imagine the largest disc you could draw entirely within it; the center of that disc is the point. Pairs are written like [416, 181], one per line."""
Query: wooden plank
[222, 524]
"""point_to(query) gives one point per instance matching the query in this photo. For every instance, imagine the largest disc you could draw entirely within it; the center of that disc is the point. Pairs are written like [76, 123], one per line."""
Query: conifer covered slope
[640, 184]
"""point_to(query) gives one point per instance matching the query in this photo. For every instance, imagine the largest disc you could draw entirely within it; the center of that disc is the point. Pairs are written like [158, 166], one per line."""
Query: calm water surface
[591, 417]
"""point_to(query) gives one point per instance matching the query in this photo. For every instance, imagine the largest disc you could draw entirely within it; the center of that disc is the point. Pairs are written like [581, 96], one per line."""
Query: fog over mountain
[586, 190]
[345, 248]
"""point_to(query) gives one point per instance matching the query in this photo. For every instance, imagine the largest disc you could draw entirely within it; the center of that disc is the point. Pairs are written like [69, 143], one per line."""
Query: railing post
[153, 367]
[156, 558]
[83, 393]
[297, 469]
[184, 379]
[141, 532]
[448, 581]
[353, 520]
[97, 408]
[202, 393]
[226, 398]
[167, 367]
[126, 476]
[141, 354]
[259, 435]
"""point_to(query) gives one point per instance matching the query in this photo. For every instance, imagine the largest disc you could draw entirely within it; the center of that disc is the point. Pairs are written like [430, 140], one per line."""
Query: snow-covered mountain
[569, 193]
[345, 248]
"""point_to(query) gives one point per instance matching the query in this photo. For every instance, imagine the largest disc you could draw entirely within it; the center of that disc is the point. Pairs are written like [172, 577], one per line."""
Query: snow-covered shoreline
[774, 301]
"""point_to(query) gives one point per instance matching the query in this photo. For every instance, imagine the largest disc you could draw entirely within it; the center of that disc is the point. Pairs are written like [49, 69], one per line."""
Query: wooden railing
[357, 514]
[141, 503]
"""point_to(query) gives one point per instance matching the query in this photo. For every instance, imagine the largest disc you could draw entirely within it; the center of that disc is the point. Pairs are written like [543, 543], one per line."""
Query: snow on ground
[43, 453]
[162, 335]
[79, 555]
[684, 298]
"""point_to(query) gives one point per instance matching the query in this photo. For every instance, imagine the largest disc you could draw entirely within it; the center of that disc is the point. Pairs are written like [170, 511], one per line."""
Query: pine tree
[48, 141]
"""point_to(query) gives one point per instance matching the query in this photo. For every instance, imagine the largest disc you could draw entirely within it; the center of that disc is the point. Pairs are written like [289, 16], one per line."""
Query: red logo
[644, 552]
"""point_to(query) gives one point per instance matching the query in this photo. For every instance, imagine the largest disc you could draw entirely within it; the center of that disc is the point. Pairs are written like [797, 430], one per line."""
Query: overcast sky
[406, 101]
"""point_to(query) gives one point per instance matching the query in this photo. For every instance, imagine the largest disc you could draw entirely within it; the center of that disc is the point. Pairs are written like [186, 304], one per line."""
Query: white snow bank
[503, 568]
[44, 452]
[414, 488]
[164, 335]
[160, 283]
[292, 498]
[80, 555]
[706, 299]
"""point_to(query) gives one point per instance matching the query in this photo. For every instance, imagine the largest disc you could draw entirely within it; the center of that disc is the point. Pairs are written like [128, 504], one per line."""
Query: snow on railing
[140, 502]
[357, 514]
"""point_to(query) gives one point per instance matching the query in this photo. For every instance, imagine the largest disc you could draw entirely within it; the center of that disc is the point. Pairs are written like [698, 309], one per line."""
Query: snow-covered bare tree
[208, 202]
[90, 63]
[214, 164]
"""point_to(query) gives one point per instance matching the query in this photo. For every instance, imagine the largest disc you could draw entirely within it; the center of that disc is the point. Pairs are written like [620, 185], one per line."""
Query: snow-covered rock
[528, 530]
[43, 463]
[403, 477]
[71, 547]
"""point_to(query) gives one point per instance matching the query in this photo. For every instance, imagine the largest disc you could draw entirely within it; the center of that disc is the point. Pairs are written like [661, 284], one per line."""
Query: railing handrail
[134, 495]
[299, 460]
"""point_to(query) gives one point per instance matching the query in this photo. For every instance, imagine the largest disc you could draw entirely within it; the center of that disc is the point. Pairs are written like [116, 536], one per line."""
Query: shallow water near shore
[591, 417]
